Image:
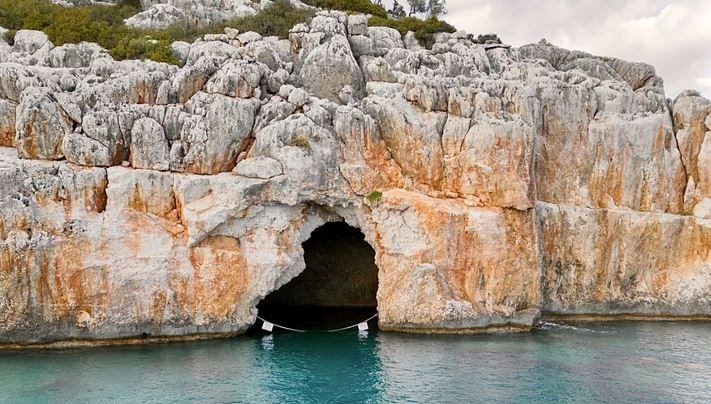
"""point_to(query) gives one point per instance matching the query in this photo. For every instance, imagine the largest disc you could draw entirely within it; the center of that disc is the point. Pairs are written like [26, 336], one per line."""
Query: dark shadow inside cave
[338, 287]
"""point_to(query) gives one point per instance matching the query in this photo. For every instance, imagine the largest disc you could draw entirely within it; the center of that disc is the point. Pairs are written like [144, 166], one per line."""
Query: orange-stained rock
[492, 162]
[368, 163]
[692, 121]
[487, 160]
[492, 182]
[7, 123]
[445, 266]
[605, 159]
[143, 191]
[220, 277]
[41, 125]
[599, 262]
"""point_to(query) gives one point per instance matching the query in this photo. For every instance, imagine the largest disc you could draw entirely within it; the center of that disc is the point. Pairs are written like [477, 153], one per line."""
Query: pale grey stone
[357, 24]
[40, 125]
[158, 16]
[149, 146]
[330, 67]
[28, 41]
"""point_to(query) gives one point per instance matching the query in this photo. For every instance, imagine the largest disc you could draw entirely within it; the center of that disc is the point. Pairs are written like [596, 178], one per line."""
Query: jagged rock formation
[494, 183]
[158, 14]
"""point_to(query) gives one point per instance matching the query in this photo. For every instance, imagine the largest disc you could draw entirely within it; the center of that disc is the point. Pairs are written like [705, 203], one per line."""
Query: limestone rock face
[692, 121]
[329, 68]
[158, 16]
[491, 276]
[608, 163]
[149, 147]
[216, 132]
[495, 184]
[40, 125]
[7, 123]
[599, 262]
[164, 13]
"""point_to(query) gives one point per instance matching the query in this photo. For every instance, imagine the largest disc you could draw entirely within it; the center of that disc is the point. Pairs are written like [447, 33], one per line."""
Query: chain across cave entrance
[338, 287]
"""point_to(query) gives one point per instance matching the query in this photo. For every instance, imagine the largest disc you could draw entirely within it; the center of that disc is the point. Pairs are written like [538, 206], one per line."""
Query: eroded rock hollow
[493, 183]
[338, 287]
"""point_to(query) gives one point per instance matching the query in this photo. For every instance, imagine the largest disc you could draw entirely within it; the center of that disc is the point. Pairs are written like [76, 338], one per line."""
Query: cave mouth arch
[338, 287]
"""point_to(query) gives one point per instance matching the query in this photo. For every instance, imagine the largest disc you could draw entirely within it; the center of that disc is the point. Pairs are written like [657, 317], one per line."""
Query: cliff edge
[494, 183]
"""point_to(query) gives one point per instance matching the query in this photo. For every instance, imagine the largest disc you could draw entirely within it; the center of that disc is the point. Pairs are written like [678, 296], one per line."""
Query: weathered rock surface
[599, 262]
[692, 120]
[493, 183]
[164, 13]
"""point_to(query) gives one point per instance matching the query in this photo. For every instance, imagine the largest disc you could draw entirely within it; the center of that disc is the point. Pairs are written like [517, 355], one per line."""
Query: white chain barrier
[362, 326]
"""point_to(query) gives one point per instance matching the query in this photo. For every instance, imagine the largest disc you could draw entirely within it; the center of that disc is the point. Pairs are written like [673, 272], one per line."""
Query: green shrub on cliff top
[424, 29]
[352, 6]
[103, 24]
[276, 20]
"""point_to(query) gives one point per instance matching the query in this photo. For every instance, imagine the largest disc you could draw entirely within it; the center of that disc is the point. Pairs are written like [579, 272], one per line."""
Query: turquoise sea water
[623, 362]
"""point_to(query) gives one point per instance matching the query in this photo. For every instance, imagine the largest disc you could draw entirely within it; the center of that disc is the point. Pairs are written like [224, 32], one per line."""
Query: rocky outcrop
[158, 14]
[692, 120]
[493, 183]
[613, 262]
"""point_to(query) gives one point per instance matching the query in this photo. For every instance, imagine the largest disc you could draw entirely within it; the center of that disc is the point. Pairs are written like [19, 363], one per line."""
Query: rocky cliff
[494, 183]
[157, 14]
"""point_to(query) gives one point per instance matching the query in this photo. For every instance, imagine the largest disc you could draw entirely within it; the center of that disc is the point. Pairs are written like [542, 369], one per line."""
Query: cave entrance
[338, 287]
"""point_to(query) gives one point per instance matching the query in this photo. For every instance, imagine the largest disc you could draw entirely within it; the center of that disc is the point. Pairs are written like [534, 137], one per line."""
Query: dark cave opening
[338, 287]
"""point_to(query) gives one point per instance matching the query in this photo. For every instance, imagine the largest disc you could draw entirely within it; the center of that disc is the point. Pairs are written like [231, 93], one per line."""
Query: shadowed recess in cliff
[337, 288]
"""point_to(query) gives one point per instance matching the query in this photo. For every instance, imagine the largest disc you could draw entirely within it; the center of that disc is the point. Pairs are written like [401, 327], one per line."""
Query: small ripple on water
[548, 325]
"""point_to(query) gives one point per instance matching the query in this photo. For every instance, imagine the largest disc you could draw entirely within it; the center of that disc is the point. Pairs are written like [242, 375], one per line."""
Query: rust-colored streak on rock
[220, 276]
[645, 263]
[441, 256]
[95, 197]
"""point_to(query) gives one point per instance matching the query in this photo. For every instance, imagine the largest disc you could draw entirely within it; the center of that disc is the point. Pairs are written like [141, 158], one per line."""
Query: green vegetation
[424, 29]
[273, 21]
[302, 142]
[68, 25]
[374, 198]
[104, 25]
[351, 6]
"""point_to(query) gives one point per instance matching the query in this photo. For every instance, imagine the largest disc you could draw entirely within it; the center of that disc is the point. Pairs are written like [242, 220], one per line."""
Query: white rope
[354, 325]
[305, 331]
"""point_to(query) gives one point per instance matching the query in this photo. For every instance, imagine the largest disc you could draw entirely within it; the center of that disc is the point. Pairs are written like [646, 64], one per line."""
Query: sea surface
[600, 363]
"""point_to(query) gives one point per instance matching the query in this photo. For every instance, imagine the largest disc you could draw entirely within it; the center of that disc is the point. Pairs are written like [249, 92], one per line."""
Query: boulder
[41, 125]
[384, 39]
[158, 16]
[329, 68]
[28, 41]
[238, 79]
[357, 24]
[149, 146]
[102, 142]
[76, 55]
[217, 130]
[691, 112]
